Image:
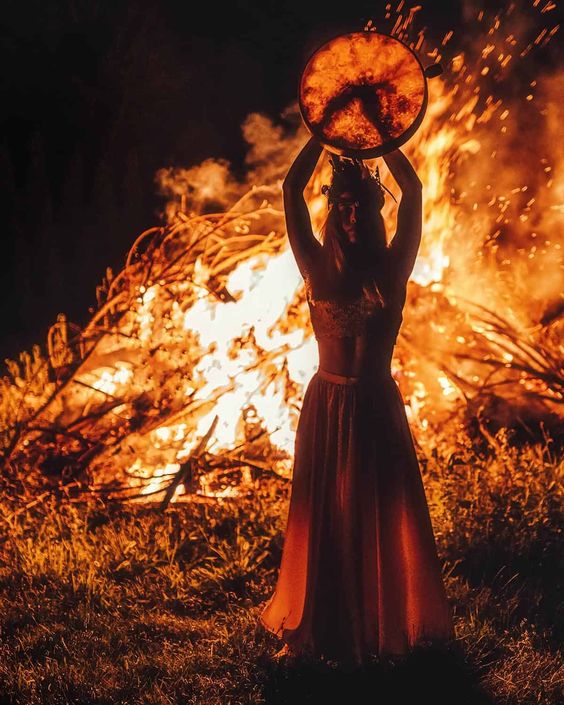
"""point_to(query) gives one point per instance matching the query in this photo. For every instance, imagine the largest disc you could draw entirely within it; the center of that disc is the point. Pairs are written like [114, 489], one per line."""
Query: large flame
[224, 352]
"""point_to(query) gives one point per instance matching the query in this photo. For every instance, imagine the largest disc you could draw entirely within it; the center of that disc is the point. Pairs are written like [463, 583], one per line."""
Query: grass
[125, 604]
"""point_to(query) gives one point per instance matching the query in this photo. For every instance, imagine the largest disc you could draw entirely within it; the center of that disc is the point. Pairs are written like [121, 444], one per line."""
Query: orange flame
[488, 212]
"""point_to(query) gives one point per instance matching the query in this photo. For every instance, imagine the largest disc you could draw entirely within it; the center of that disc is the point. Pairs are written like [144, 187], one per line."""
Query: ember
[187, 380]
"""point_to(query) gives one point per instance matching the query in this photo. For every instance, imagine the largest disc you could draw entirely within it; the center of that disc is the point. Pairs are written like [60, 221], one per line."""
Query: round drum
[363, 94]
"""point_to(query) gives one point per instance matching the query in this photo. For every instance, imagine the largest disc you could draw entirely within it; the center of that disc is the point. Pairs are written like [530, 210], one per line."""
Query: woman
[360, 575]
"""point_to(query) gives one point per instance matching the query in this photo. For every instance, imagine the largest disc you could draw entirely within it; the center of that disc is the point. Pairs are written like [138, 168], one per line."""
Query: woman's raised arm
[405, 243]
[303, 242]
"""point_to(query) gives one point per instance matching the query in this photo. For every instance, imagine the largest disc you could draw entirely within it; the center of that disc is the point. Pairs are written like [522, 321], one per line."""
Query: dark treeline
[95, 101]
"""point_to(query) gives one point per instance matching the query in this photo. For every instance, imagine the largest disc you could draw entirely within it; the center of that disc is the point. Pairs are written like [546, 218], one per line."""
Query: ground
[105, 603]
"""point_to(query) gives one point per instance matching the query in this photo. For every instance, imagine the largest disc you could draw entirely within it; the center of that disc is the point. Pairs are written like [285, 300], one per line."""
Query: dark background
[96, 96]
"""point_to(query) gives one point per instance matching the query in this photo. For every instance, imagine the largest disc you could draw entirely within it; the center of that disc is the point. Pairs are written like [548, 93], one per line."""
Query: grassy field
[126, 604]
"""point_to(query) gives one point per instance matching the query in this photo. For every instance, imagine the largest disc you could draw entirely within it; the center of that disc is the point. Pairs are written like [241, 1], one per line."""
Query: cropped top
[335, 319]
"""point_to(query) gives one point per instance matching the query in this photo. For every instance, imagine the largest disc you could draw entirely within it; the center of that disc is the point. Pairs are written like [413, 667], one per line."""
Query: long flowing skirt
[360, 576]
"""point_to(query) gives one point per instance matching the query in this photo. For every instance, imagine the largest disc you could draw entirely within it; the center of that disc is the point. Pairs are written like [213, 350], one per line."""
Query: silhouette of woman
[360, 577]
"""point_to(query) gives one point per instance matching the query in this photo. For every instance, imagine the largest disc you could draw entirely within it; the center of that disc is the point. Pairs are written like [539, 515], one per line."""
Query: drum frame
[388, 146]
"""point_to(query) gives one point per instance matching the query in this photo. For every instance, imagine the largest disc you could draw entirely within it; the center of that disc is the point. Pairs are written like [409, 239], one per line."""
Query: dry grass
[123, 604]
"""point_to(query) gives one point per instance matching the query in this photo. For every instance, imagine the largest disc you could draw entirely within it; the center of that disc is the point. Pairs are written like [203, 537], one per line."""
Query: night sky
[96, 96]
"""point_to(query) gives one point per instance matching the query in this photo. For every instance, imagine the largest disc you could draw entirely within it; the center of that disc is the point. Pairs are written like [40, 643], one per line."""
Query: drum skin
[363, 94]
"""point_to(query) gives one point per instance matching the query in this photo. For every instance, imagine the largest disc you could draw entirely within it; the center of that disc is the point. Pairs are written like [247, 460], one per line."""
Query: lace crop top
[334, 319]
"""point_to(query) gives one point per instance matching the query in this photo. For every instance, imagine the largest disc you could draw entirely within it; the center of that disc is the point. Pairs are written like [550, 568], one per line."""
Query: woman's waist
[355, 358]
[363, 376]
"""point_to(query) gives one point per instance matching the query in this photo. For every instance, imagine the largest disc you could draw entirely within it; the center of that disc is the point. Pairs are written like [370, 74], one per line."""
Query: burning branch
[203, 337]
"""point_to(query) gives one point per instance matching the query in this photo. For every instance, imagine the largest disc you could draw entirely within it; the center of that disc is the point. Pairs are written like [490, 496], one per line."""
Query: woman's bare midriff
[361, 356]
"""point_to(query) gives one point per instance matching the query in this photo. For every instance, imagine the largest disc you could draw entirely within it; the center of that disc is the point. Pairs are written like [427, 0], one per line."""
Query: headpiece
[352, 174]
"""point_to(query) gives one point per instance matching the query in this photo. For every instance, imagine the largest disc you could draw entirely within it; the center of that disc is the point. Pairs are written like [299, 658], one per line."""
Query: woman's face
[356, 228]
[347, 207]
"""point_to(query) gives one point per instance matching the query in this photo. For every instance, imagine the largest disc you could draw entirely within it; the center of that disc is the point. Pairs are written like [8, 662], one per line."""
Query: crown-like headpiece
[353, 174]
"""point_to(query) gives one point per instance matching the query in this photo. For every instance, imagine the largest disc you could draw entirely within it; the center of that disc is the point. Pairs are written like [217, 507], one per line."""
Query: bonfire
[186, 383]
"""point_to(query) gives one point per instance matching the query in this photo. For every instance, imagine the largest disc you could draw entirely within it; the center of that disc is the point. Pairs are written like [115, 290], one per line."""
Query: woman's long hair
[371, 263]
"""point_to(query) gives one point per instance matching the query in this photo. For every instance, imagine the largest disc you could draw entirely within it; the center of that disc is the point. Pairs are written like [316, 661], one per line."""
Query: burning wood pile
[186, 382]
